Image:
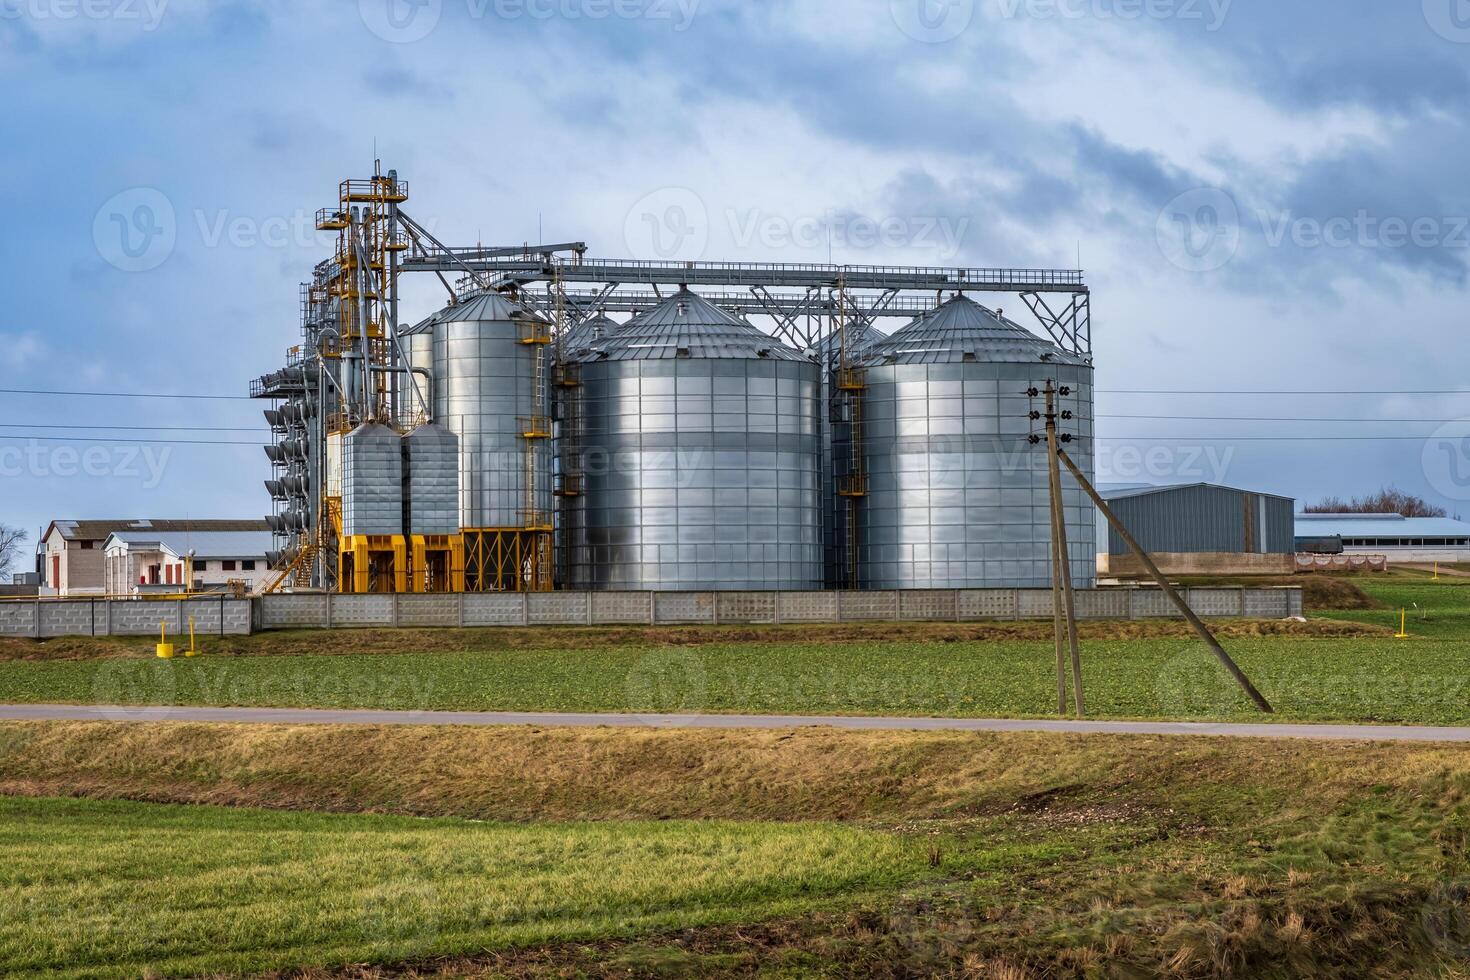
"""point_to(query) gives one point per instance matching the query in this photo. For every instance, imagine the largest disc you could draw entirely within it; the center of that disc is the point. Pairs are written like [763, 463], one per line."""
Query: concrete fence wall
[714, 608]
[216, 616]
[44, 618]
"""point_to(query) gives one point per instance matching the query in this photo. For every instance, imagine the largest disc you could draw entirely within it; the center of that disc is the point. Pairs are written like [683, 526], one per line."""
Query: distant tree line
[12, 540]
[1389, 500]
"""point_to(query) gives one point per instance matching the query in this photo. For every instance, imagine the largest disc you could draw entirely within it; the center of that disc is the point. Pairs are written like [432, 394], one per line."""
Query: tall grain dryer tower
[699, 455]
[945, 490]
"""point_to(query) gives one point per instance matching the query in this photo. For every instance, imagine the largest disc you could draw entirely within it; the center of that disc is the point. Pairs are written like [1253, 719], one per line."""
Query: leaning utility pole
[1158, 576]
[1061, 558]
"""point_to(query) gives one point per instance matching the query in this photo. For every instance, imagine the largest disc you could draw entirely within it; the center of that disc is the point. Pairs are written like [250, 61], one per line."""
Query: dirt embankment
[573, 774]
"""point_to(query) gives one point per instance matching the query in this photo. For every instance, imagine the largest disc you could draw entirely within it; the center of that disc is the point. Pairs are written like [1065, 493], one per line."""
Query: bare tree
[12, 540]
[1389, 500]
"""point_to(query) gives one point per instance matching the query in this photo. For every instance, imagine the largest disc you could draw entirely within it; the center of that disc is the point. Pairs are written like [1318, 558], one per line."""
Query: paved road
[309, 716]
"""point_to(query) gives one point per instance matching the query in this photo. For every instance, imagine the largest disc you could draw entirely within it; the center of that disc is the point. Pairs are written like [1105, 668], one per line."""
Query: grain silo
[431, 509]
[699, 456]
[373, 556]
[935, 464]
[587, 333]
[491, 390]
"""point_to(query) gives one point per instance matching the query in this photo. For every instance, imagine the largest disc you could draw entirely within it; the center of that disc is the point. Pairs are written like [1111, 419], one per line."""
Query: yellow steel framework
[436, 563]
[373, 563]
[366, 268]
[513, 559]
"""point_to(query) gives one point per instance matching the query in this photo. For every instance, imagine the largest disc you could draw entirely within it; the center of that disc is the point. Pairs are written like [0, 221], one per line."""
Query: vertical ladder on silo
[852, 385]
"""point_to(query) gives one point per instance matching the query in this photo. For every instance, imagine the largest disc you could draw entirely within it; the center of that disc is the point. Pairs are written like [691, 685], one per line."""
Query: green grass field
[109, 888]
[975, 856]
[528, 853]
[1424, 679]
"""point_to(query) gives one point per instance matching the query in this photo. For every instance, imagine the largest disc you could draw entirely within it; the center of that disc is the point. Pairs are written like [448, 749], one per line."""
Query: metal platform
[506, 271]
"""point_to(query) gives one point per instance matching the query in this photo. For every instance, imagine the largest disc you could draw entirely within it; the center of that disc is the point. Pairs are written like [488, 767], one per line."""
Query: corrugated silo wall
[1206, 519]
[372, 481]
[484, 383]
[700, 474]
[958, 496]
[431, 484]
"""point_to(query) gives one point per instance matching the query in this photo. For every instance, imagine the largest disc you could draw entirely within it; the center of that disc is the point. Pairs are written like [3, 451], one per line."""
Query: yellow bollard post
[1436, 571]
[1403, 633]
[164, 649]
[193, 651]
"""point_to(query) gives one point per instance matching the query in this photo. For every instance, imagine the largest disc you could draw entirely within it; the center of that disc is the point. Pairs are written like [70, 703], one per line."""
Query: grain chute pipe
[1169, 590]
[426, 398]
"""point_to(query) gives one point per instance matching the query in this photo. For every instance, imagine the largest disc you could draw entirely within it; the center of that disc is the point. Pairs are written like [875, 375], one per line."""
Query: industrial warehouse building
[72, 553]
[1399, 539]
[144, 562]
[1199, 529]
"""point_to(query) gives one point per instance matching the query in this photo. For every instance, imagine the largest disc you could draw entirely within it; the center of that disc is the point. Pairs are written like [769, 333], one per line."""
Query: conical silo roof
[480, 306]
[861, 335]
[688, 326]
[588, 332]
[962, 330]
[484, 306]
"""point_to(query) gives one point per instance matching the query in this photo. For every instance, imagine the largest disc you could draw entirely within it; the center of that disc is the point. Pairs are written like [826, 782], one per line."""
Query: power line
[1270, 418]
[1259, 392]
[121, 394]
[1199, 437]
[11, 437]
[1214, 438]
[137, 428]
[1183, 391]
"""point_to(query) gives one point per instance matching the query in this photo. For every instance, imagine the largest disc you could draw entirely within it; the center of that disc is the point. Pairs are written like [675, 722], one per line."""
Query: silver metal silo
[418, 347]
[491, 390]
[372, 481]
[700, 456]
[947, 490]
[587, 333]
[432, 486]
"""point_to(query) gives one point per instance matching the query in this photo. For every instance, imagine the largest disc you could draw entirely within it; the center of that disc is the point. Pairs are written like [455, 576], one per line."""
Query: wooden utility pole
[1061, 558]
[1056, 596]
[1158, 576]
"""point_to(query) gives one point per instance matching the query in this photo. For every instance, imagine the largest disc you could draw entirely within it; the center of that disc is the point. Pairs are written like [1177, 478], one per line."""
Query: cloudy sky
[1265, 196]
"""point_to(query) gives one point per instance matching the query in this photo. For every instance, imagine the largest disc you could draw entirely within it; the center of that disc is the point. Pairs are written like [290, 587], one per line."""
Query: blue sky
[1265, 196]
